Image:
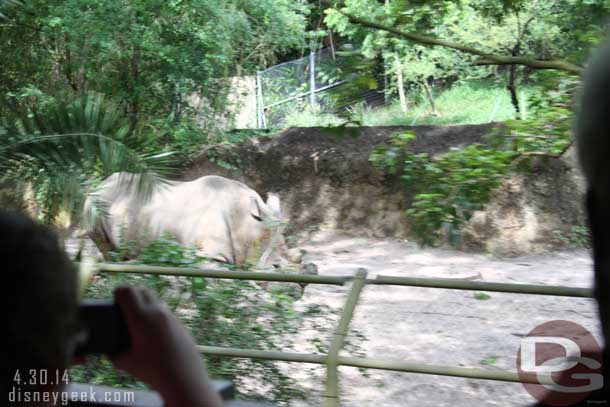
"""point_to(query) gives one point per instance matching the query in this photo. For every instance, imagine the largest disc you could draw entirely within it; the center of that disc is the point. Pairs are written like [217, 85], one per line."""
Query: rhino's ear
[273, 202]
[255, 209]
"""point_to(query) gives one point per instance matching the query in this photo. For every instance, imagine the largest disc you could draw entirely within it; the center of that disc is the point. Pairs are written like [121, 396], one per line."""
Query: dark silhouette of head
[593, 141]
[40, 287]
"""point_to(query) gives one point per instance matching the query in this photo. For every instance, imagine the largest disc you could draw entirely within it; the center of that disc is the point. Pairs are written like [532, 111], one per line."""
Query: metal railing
[332, 359]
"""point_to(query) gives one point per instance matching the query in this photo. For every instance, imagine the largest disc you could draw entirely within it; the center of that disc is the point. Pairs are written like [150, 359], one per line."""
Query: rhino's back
[214, 185]
[202, 194]
[199, 210]
[208, 209]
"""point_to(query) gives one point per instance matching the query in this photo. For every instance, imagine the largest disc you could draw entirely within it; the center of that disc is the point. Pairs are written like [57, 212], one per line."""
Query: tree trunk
[512, 89]
[512, 83]
[67, 62]
[176, 104]
[400, 85]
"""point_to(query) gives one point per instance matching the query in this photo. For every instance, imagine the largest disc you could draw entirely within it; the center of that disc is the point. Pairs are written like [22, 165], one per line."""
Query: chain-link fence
[328, 81]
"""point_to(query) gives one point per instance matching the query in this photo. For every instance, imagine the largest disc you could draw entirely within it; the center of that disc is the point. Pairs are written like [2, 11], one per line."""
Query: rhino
[223, 218]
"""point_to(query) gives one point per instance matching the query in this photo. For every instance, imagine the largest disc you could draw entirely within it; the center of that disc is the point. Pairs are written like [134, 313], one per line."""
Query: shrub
[218, 312]
[451, 186]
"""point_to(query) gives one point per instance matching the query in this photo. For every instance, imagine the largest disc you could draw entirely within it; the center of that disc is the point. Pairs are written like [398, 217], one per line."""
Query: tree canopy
[144, 54]
[140, 61]
[545, 34]
[71, 69]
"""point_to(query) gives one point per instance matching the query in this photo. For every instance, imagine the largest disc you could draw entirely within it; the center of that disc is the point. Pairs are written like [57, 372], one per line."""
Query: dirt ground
[442, 327]
[435, 326]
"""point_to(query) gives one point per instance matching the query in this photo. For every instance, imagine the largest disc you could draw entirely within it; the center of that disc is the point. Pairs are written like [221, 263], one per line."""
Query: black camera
[106, 330]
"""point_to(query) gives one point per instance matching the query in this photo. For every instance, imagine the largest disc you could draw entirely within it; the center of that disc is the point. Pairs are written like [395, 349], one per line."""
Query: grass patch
[464, 103]
[491, 360]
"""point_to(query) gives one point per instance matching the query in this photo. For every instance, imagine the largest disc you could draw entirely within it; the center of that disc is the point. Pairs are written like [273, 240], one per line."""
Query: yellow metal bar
[445, 283]
[483, 286]
[263, 354]
[437, 370]
[368, 363]
[234, 275]
[332, 364]
[333, 360]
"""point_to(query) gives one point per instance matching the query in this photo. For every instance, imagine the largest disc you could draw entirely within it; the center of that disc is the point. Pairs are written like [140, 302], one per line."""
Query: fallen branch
[544, 154]
[486, 58]
[208, 148]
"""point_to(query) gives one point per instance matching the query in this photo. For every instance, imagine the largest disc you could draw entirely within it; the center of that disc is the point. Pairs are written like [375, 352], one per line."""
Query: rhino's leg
[289, 256]
[293, 255]
[103, 243]
[234, 247]
[241, 254]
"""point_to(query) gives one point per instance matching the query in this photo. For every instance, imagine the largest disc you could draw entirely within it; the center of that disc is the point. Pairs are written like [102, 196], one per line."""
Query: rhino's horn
[255, 209]
[273, 202]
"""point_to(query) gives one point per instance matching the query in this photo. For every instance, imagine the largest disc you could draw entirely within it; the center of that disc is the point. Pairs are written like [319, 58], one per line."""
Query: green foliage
[548, 129]
[70, 143]
[576, 237]
[465, 102]
[544, 28]
[490, 360]
[581, 23]
[147, 57]
[448, 188]
[312, 119]
[537, 29]
[147, 51]
[218, 312]
[481, 296]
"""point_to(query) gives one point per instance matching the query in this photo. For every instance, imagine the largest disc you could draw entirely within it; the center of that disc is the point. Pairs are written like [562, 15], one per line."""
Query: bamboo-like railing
[332, 359]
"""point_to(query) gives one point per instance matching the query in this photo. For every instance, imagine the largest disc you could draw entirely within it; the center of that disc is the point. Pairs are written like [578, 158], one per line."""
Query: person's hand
[163, 353]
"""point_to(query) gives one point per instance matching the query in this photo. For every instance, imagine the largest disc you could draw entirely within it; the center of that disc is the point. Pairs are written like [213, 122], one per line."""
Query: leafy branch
[486, 58]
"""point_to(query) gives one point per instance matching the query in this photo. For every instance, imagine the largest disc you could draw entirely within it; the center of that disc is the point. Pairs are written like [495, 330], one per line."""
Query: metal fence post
[260, 108]
[332, 363]
[523, 106]
[386, 82]
[492, 116]
[312, 80]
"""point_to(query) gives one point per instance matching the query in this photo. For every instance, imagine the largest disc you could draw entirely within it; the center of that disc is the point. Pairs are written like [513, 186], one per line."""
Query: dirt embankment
[326, 181]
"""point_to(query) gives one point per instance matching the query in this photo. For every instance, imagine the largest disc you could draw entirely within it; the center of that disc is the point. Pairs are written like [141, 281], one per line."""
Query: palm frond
[6, 5]
[74, 144]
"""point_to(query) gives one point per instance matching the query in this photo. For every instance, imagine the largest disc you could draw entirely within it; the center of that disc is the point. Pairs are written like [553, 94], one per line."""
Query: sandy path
[445, 327]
